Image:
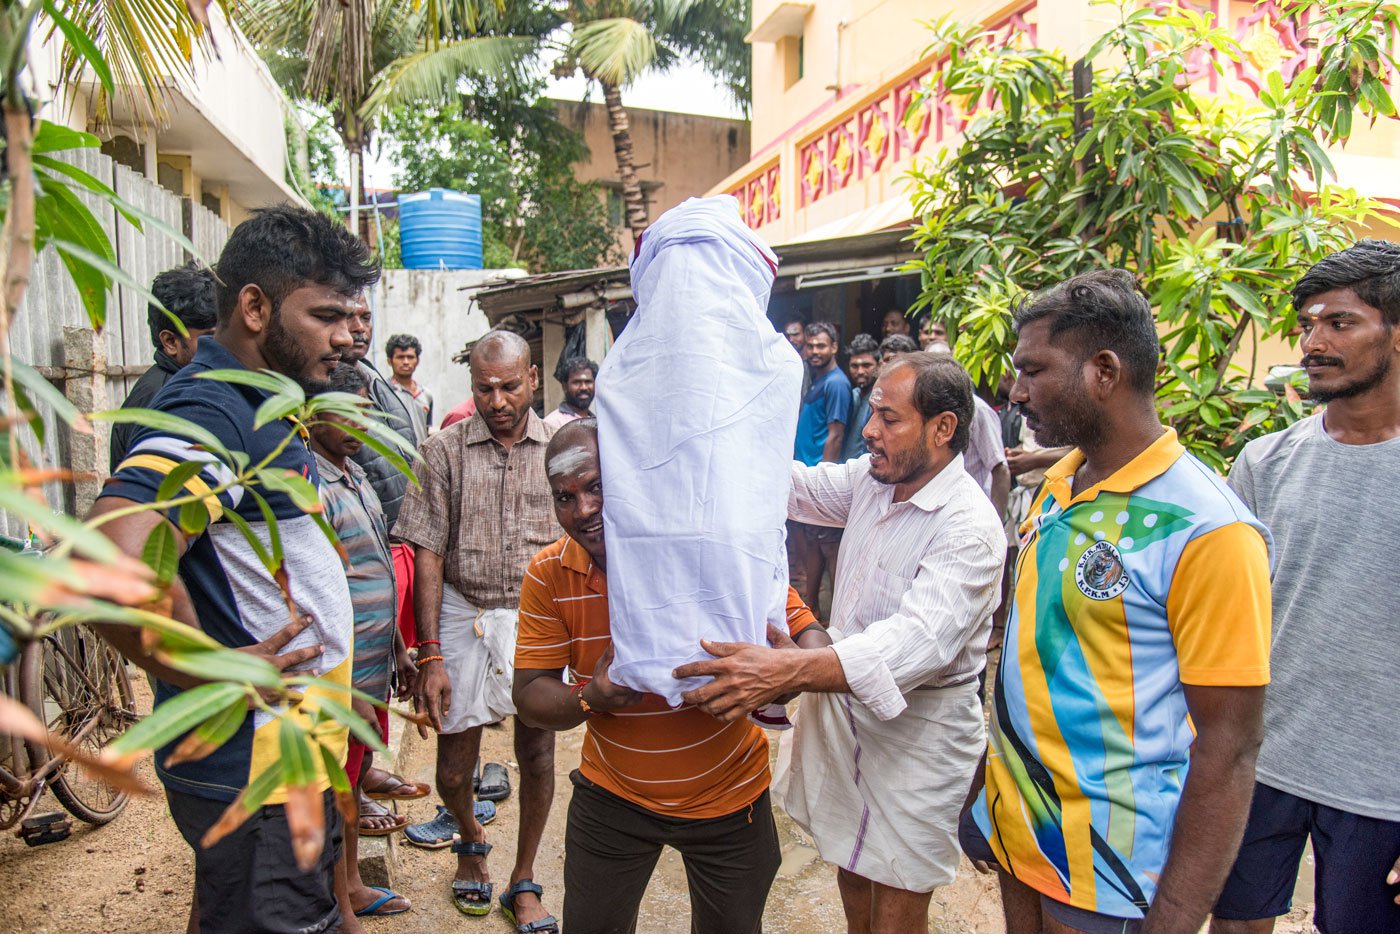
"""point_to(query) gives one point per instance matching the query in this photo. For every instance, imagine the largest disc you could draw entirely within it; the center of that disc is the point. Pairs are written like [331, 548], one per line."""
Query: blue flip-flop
[372, 909]
[436, 834]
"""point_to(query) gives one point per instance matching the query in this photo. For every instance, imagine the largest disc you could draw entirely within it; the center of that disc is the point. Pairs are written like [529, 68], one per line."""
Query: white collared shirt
[916, 582]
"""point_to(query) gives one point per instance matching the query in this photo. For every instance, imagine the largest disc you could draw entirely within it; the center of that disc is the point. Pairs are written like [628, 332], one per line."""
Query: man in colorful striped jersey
[1129, 696]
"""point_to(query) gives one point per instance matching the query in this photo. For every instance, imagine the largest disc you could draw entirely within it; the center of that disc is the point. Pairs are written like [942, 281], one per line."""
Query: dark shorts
[975, 847]
[249, 881]
[1353, 855]
[611, 847]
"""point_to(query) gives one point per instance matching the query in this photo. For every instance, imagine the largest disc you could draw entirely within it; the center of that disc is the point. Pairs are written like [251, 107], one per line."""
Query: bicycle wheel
[82, 693]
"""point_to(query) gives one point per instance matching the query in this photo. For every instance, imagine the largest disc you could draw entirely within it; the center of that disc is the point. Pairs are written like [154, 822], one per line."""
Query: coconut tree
[329, 52]
[610, 42]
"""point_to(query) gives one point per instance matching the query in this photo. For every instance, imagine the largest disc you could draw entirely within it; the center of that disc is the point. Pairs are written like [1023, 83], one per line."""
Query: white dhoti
[881, 798]
[478, 652]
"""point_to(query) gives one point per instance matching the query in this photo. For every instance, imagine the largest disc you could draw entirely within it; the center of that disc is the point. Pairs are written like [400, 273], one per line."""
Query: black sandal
[545, 925]
[470, 897]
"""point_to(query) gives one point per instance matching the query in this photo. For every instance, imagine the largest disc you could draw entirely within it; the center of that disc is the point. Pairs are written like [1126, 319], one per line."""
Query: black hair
[346, 377]
[188, 292]
[575, 364]
[823, 327]
[1370, 268]
[1100, 310]
[280, 249]
[402, 342]
[941, 385]
[863, 344]
[897, 344]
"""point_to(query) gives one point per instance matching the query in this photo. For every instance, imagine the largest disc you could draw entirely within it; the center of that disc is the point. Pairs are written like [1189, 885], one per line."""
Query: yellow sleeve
[1220, 610]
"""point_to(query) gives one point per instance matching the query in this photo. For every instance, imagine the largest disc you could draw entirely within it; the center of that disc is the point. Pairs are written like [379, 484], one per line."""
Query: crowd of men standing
[1193, 683]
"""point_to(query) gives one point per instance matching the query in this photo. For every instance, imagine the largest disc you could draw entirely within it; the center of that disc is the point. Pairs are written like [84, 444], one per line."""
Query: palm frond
[146, 44]
[432, 74]
[614, 51]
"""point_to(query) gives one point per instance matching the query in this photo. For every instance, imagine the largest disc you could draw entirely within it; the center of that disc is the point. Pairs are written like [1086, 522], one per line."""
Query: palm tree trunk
[633, 203]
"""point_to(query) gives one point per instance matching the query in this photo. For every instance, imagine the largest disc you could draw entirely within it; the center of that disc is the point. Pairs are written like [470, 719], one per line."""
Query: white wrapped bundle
[697, 408]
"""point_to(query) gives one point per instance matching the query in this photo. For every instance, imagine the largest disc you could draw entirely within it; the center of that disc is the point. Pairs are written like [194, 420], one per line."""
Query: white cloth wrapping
[697, 408]
[478, 651]
[881, 798]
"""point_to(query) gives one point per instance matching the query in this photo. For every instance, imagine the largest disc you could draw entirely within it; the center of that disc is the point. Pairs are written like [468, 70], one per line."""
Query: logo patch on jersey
[1100, 574]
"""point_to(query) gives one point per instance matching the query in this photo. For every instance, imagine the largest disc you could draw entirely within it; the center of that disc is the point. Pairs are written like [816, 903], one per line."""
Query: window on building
[790, 48]
[212, 202]
[126, 151]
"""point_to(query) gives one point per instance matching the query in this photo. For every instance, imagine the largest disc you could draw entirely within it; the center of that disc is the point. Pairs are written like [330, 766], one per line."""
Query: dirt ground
[135, 874]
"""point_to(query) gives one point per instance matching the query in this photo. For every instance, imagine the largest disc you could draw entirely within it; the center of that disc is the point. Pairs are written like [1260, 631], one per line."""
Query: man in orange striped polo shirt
[650, 775]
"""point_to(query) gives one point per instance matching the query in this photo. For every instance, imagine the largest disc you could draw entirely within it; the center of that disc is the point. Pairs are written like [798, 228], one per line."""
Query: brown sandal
[390, 787]
[370, 810]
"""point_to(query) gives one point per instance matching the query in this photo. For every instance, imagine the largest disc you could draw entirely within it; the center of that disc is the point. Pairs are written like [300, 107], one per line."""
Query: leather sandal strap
[472, 848]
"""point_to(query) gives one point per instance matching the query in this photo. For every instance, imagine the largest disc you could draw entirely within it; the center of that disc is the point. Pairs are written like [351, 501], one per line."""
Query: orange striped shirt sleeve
[542, 640]
[799, 617]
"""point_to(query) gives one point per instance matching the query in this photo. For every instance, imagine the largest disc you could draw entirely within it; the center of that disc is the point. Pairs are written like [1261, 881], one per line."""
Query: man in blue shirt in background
[821, 432]
[863, 363]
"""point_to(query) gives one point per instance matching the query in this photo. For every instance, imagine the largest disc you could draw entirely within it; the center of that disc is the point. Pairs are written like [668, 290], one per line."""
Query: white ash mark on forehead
[568, 460]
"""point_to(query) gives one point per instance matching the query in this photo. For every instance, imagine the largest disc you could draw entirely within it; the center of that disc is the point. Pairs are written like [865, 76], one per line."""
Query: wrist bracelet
[420, 662]
[577, 691]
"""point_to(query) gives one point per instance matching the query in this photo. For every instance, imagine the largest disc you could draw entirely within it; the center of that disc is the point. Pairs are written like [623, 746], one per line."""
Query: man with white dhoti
[890, 730]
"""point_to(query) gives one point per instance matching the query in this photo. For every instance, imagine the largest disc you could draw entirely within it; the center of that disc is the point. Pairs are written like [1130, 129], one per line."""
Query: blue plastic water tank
[440, 229]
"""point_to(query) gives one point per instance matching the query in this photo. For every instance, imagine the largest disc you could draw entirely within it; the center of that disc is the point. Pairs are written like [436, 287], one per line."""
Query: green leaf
[85, 48]
[390, 454]
[85, 538]
[220, 728]
[279, 406]
[261, 787]
[174, 483]
[161, 553]
[274, 535]
[177, 716]
[334, 770]
[224, 665]
[43, 391]
[55, 137]
[194, 518]
[1245, 298]
[265, 380]
[254, 542]
[298, 766]
[166, 423]
[369, 735]
[297, 488]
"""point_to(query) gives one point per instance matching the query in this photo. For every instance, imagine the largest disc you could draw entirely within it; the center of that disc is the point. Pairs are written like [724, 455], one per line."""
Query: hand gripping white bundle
[697, 409]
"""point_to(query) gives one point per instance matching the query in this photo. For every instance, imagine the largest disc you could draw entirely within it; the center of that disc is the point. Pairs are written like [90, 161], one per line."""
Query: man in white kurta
[890, 732]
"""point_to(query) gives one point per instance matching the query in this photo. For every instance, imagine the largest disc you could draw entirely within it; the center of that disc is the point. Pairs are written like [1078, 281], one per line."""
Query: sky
[687, 88]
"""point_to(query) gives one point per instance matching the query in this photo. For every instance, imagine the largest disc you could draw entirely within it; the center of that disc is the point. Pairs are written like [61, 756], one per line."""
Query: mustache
[1316, 360]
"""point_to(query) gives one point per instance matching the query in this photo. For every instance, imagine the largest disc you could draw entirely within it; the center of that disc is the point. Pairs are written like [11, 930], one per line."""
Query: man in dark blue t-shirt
[821, 431]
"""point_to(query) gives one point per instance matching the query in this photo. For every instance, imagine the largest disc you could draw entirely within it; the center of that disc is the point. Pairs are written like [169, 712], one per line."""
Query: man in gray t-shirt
[1325, 487]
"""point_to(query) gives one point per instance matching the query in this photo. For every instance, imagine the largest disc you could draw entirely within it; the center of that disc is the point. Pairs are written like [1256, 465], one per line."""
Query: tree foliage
[1217, 201]
[519, 158]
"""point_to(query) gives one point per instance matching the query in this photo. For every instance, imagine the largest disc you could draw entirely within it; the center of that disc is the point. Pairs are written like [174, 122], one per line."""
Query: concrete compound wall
[432, 306]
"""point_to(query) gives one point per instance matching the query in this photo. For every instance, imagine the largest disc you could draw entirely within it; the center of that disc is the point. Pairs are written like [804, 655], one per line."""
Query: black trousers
[249, 881]
[611, 847]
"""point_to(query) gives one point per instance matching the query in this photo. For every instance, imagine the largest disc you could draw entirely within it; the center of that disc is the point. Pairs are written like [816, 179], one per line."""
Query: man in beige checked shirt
[481, 513]
[890, 732]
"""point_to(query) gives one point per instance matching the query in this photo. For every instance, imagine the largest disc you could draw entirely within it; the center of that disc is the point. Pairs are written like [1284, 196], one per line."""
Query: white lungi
[881, 798]
[478, 651]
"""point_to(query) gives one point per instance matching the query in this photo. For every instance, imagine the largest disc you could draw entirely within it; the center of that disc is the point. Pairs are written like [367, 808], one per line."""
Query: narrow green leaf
[85, 48]
[278, 407]
[297, 488]
[161, 554]
[254, 542]
[43, 391]
[369, 735]
[164, 422]
[176, 716]
[224, 665]
[262, 787]
[174, 482]
[194, 518]
[87, 539]
[55, 137]
[334, 770]
[265, 380]
[298, 766]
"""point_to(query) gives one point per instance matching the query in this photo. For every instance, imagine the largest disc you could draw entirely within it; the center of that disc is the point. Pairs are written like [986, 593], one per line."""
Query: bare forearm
[1001, 489]
[545, 702]
[1205, 839]
[427, 594]
[835, 437]
[816, 671]
[127, 641]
